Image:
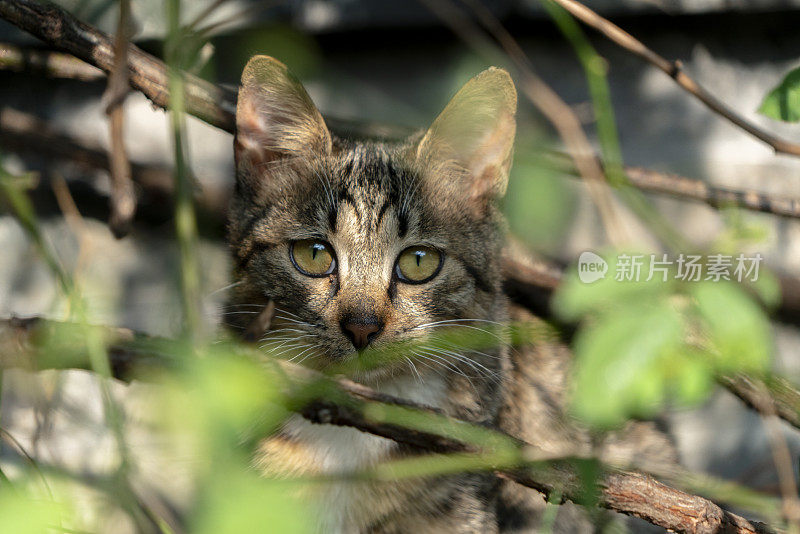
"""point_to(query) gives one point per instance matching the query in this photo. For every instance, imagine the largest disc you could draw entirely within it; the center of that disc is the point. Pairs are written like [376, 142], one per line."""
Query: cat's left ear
[474, 136]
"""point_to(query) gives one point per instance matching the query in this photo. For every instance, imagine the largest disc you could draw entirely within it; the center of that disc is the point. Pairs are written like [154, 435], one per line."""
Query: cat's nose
[361, 332]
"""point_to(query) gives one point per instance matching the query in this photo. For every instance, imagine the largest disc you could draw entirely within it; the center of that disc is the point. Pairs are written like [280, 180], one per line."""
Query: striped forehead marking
[370, 183]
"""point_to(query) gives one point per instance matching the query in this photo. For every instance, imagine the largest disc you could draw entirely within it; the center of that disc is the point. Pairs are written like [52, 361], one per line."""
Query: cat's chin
[379, 375]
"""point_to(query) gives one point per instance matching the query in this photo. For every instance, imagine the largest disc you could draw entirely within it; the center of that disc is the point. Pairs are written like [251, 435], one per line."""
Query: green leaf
[239, 501]
[692, 376]
[576, 298]
[538, 205]
[783, 102]
[767, 288]
[24, 514]
[620, 360]
[736, 325]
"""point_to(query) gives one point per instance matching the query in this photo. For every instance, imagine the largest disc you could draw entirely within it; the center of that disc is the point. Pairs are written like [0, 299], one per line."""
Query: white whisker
[224, 288]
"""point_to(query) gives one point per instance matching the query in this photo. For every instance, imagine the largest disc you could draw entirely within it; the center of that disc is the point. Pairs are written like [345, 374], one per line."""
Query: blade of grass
[185, 218]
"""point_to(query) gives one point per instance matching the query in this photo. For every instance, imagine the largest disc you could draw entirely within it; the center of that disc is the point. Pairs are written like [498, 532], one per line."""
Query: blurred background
[394, 62]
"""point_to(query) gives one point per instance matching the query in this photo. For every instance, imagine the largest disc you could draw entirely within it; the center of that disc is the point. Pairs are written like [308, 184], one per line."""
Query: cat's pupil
[419, 255]
[316, 248]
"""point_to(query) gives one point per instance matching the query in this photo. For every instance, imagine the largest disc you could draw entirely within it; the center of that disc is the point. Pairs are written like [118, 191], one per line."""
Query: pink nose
[361, 333]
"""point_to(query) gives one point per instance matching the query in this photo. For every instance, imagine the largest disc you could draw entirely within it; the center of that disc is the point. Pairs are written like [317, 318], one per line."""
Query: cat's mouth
[416, 351]
[369, 365]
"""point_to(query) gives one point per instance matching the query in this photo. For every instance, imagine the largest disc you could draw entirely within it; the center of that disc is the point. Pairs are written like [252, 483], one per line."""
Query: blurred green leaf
[297, 50]
[239, 501]
[575, 298]
[736, 325]
[538, 205]
[620, 361]
[783, 102]
[222, 400]
[24, 514]
[691, 375]
[767, 288]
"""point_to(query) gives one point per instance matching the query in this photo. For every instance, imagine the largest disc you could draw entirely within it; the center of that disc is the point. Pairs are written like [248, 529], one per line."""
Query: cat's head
[364, 243]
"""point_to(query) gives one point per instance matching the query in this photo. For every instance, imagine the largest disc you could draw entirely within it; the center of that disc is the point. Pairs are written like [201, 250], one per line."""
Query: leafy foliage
[646, 343]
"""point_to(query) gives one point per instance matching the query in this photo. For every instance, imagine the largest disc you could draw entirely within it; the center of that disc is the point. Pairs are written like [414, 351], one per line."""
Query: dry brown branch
[782, 458]
[674, 69]
[714, 196]
[627, 492]
[51, 64]
[123, 197]
[681, 187]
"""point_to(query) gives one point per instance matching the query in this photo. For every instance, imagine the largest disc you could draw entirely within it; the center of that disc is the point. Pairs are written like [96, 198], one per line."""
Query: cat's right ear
[275, 118]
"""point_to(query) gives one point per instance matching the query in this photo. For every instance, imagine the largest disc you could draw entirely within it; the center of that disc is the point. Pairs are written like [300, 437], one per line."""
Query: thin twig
[714, 196]
[123, 197]
[674, 69]
[75, 222]
[611, 168]
[204, 14]
[784, 396]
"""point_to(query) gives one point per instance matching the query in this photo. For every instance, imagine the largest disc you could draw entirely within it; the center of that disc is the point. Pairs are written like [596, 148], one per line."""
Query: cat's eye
[313, 257]
[417, 265]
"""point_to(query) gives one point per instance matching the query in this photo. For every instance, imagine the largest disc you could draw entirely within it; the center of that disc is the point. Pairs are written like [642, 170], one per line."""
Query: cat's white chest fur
[340, 450]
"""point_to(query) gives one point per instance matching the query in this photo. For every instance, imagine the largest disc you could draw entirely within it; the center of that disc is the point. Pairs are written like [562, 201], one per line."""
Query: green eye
[418, 264]
[312, 257]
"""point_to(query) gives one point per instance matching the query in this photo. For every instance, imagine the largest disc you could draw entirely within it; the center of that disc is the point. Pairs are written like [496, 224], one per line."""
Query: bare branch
[627, 492]
[123, 198]
[714, 196]
[674, 69]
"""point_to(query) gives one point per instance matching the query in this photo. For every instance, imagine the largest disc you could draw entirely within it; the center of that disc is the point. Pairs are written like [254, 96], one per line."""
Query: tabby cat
[358, 245]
